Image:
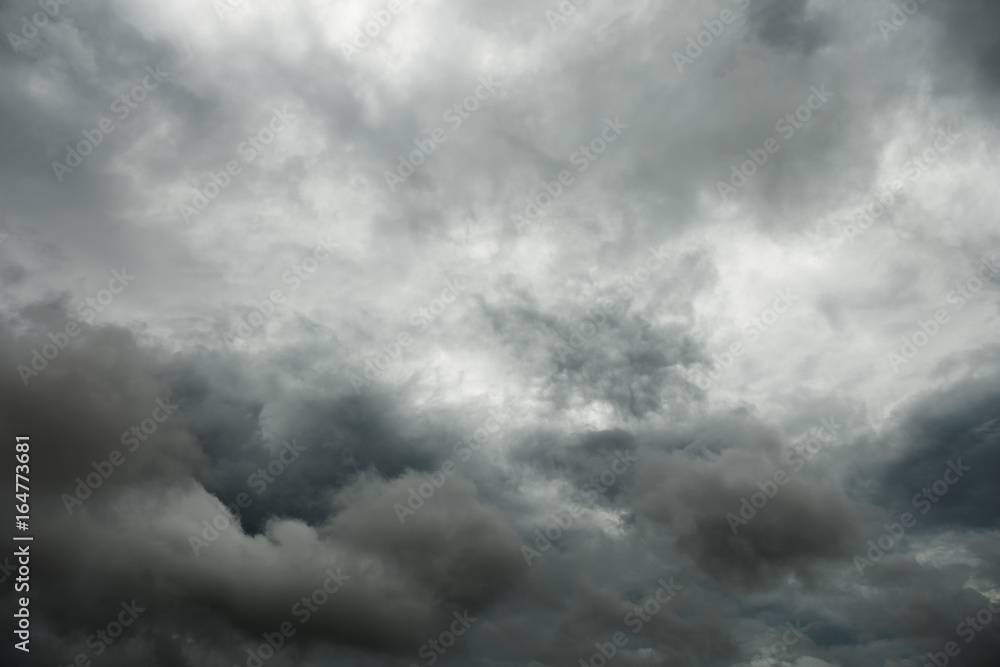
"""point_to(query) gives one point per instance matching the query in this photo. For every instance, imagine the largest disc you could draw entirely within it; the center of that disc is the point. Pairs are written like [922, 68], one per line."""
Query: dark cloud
[404, 382]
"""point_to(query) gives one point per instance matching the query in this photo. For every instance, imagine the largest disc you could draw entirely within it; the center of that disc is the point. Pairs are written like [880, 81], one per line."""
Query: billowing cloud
[414, 333]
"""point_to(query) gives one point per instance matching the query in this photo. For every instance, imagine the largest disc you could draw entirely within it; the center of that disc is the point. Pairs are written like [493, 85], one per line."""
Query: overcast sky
[504, 334]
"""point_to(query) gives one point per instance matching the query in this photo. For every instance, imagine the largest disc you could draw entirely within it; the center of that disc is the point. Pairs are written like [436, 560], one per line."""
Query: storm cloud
[502, 334]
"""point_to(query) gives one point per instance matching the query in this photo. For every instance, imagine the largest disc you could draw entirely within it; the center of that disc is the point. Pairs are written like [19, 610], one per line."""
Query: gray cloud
[587, 328]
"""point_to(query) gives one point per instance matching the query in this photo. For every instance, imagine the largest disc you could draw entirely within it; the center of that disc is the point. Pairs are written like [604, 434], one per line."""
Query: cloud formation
[697, 293]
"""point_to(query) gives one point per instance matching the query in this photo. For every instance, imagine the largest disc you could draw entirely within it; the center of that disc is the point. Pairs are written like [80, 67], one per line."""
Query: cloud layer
[420, 332]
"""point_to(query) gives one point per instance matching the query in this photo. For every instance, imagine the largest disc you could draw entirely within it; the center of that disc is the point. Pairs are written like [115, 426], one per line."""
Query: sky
[502, 334]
